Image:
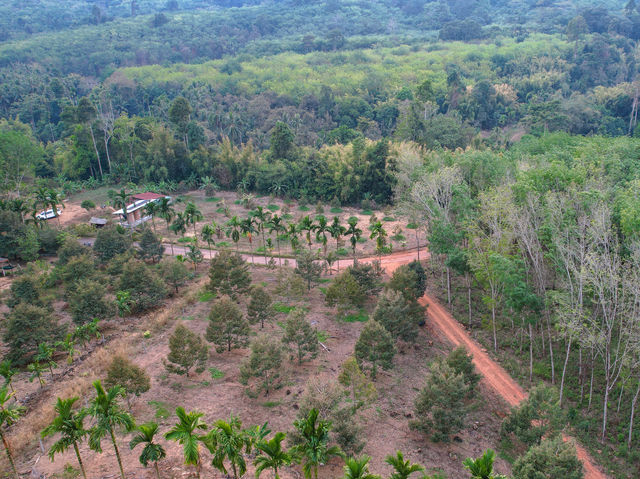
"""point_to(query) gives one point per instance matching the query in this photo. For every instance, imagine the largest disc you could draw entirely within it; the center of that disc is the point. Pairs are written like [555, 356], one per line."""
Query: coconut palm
[226, 441]
[402, 469]
[354, 234]
[9, 415]
[247, 226]
[358, 469]
[70, 426]
[482, 468]
[261, 218]
[272, 455]
[314, 449]
[306, 225]
[336, 230]
[152, 452]
[185, 433]
[192, 215]
[7, 372]
[208, 231]
[234, 227]
[109, 416]
[276, 225]
[380, 234]
[166, 212]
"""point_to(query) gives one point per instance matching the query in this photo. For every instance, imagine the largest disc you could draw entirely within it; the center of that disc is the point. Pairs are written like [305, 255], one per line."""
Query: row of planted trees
[229, 444]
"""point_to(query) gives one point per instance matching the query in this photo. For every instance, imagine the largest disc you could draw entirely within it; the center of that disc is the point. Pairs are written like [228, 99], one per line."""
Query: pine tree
[229, 274]
[346, 293]
[300, 337]
[150, 246]
[399, 316]
[228, 328]
[307, 268]
[259, 309]
[186, 350]
[375, 347]
[362, 390]
[264, 363]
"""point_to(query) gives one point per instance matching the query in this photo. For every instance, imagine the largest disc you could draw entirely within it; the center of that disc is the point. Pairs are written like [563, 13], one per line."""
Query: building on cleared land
[135, 211]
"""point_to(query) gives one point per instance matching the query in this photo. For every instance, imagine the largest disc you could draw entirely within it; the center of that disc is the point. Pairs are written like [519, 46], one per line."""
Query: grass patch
[303, 208]
[271, 403]
[388, 218]
[366, 212]
[163, 410]
[325, 280]
[273, 207]
[398, 238]
[359, 317]
[223, 244]
[206, 296]
[362, 239]
[323, 290]
[216, 373]
[287, 216]
[336, 210]
[412, 226]
[188, 318]
[213, 199]
[185, 239]
[283, 308]
[353, 218]
[237, 202]
[220, 210]
[322, 336]
[342, 252]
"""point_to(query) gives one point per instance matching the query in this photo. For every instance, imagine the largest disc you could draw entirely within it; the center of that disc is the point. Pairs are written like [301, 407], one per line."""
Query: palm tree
[262, 217]
[276, 225]
[184, 432]
[379, 233]
[306, 224]
[314, 448]
[358, 469]
[192, 215]
[36, 369]
[403, 469]
[226, 441]
[354, 232]
[292, 233]
[167, 212]
[208, 231]
[152, 209]
[179, 225]
[322, 228]
[151, 452]
[482, 468]
[120, 200]
[41, 197]
[109, 416]
[248, 229]
[55, 200]
[336, 230]
[7, 372]
[234, 226]
[9, 415]
[70, 426]
[272, 455]
[19, 205]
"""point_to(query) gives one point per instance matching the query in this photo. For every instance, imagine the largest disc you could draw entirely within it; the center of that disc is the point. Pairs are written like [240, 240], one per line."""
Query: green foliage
[482, 468]
[307, 268]
[260, 308]
[264, 363]
[462, 363]
[145, 287]
[109, 243]
[228, 328]
[374, 347]
[551, 458]
[300, 337]
[346, 293]
[362, 390]
[440, 409]
[313, 447]
[402, 469]
[398, 316]
[87, 301]
[229, 275]
[367, 275]
[25, 289]
[133, 379]
[175, 274]
[186, 350]
[150, 246]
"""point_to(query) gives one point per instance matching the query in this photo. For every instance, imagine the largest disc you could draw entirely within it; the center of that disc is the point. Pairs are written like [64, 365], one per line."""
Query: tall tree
[354, 234]
[166, 212]
[276, 225]
[228, 328]
[337, 231]
[207, 235]
[192, 215]
[307, 226]
[70, 426]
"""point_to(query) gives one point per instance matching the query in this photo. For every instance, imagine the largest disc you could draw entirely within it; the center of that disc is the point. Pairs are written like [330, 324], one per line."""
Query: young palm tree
[109, 416]
[272, 455]
[9, 415]
[482, 468]
[226, 441]
[358, 469]
[120, 200]
[379, 233]
[192, 215]
[179, 225]
[208, 231]
[152, 209]
[70, 426]
[185, 433]
[234, 226]
[36, 369]
[336, 230]
[292, 233]
[41, 198]
[314, 449]
[166, 212]
[261, 217]
[7, 372]
[322, 228]
[247, 226]
[403, 469]
[55, 200]
[276, 225]
[354, 233]
[152, 452]
[306, 224]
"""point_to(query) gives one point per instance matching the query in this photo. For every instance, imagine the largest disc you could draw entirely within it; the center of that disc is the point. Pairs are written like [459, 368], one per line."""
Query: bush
[174, 273]
[70, 249]
[150, 246]
[145, 287]
[229, 274]
[25, 289]
[133, 379]
[264, 363]
[462, 363]
[300, 337]
[87, 301]
[186, 350]
[375, 347]
[553, 458]
[346, 293]
[88, 205]
[49, 240]
[228, 328]
[367, 275]
[109, 243]
[410, 280]
[398, 316]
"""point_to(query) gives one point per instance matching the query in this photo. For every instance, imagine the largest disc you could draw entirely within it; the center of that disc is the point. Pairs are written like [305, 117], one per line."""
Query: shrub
[228, 328]
[145, 287]
[87, 301]
[25, 289]
[553, 458]
[375, 347]
[88, 205]
[109, 243]
[229, 274]
[300, 337]
[133, 379]
[399, 316]
[69, 249]
[186, 350]
[346, 293]
[264, 363]
[367, 276]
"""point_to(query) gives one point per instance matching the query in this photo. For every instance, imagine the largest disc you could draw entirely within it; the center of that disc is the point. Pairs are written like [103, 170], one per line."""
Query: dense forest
[505, 134]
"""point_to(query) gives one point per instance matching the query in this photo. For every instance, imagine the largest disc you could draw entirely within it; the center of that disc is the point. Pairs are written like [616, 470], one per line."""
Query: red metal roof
[147, 196]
